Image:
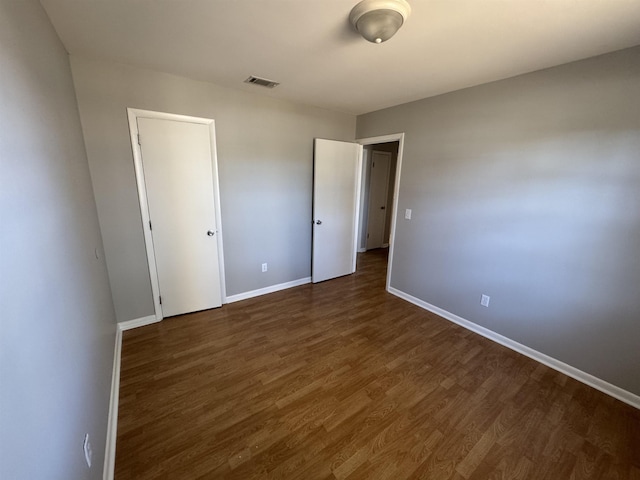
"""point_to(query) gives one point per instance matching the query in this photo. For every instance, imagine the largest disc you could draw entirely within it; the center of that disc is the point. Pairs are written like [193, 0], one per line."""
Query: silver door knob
[210, 233]
[318, 222]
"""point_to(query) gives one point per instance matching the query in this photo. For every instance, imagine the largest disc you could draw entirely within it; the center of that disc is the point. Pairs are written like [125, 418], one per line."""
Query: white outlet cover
[484, 301]
[407, 214]
[264, 267]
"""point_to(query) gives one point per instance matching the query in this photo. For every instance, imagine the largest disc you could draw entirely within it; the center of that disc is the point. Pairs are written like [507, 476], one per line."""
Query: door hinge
[160, 298]
[150, 227]
[367, 235]
[139, 143]
[373, 166]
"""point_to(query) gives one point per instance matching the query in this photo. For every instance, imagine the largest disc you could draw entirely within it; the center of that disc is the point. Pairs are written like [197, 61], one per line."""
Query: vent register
[263, 82]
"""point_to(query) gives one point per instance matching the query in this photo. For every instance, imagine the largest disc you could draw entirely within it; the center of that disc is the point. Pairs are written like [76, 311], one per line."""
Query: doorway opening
[380, 180]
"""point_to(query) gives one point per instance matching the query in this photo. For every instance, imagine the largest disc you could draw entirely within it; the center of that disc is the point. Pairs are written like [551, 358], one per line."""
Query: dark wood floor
[343, 380]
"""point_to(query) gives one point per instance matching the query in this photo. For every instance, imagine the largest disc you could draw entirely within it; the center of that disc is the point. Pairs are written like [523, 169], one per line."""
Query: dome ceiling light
[379, 20]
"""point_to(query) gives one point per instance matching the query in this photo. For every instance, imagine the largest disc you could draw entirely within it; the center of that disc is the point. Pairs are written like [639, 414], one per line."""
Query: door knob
[382, 208]
[210, 233]
[318, 222]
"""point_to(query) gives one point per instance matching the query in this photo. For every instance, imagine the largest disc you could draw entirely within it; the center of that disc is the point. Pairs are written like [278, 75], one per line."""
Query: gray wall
[265, 152]
[57, 323]
[528, 190]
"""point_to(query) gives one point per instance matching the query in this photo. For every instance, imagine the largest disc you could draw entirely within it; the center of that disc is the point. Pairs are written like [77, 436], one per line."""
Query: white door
[336, 191]
[378, 194]
[178, 176]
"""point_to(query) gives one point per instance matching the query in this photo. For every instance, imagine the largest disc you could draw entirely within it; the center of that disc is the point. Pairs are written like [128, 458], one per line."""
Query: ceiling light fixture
[379, 20]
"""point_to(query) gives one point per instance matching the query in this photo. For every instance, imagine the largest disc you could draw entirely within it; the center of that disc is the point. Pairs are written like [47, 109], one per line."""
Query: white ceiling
[309, 47]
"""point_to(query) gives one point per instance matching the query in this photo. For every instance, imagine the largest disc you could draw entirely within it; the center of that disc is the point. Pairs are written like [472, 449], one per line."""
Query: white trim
[362, 228]
[385, 245]
[586, 378]
[356, 209]
[270, 289]
[137, 322]
[362, 250]
[112, 422]
[133, 114]
[218, 208]
[394, 137]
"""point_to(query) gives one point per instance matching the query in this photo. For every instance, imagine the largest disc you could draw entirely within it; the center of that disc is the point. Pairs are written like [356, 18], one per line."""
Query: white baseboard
[270, 289]
[586, 378]
[362, 250]
[112, 422]
[385, 245]
[137, 322]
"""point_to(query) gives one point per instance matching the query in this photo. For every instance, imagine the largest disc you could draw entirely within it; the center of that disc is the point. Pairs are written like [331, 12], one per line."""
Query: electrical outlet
[484, 301]
[264, 267]
[407, 214]
[88, 452]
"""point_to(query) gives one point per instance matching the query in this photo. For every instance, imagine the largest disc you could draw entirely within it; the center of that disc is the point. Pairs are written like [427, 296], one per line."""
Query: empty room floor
[341, 380]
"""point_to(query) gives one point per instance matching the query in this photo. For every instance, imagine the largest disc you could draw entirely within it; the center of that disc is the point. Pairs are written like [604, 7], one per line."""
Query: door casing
[133, 115]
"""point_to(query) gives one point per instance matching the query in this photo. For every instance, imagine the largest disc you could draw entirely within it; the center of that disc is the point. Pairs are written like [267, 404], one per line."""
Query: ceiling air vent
[263, 82]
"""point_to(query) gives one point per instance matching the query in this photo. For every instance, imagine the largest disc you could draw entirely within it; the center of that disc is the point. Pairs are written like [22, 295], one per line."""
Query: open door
[336, 192]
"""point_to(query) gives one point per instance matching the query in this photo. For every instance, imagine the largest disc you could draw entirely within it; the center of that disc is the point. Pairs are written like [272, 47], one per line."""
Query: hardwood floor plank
[341, 380]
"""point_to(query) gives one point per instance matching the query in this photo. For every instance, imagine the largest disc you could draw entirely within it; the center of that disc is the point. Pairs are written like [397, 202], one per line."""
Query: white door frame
[394, 137]
[133, 115]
